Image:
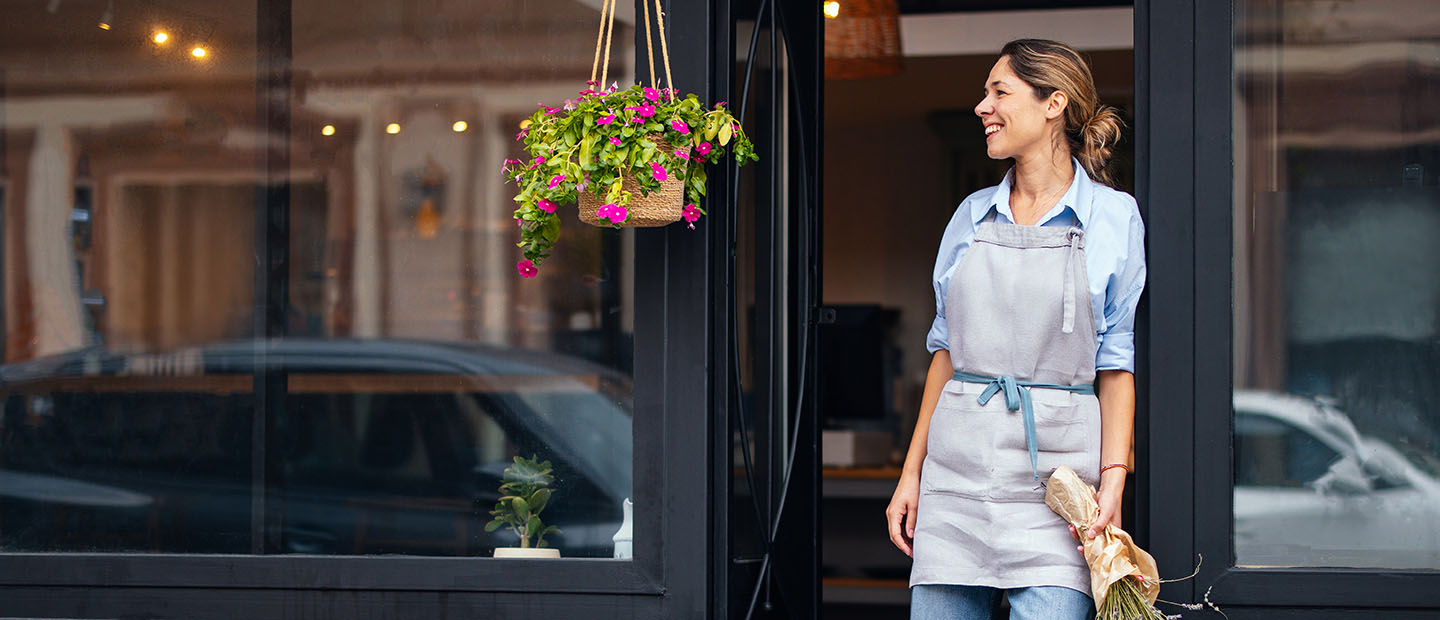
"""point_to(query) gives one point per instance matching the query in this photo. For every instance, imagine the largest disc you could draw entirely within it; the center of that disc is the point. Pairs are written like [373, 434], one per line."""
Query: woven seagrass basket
[661, 207]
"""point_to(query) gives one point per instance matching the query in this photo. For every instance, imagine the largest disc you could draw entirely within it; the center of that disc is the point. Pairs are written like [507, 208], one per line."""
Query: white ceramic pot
[624, 538]
[527, 552]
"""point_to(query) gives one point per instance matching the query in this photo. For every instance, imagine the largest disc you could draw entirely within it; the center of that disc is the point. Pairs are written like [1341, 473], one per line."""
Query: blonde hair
[1092, 130]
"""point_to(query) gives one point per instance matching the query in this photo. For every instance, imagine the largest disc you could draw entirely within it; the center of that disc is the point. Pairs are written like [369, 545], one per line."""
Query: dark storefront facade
[267, 354]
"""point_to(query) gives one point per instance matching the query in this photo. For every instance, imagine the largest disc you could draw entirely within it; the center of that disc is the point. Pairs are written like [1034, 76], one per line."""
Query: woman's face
[1015, 123]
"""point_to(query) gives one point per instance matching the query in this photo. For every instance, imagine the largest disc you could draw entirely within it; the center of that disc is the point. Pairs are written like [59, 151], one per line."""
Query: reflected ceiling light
[392, 128]
[328, 130]
[460, 126]
[160, 37]
[53, 6]
[108, 16]
[832, 9]
[199, 51]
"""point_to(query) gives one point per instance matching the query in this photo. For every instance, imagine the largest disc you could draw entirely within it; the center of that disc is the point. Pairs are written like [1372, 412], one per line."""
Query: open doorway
[900, 153]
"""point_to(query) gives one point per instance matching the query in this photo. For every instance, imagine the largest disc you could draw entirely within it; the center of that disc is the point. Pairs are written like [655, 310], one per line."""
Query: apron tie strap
[1076, 237]
[1017, 398]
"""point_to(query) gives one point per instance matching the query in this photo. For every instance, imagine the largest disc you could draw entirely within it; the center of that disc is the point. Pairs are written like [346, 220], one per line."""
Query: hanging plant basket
[657, 208]
[628, 158]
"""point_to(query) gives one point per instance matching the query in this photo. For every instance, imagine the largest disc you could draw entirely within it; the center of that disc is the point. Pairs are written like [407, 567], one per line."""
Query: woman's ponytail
[1096, 142]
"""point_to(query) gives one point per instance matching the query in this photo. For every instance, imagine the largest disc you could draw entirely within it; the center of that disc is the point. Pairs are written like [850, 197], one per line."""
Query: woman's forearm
[935, 380]
[1116, 391]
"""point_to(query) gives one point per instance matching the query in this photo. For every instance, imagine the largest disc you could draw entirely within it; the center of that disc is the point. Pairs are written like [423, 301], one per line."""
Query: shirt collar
[1077, 198]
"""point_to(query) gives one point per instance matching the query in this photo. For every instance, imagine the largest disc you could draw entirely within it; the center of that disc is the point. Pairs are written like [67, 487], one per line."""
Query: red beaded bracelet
[1114, 465]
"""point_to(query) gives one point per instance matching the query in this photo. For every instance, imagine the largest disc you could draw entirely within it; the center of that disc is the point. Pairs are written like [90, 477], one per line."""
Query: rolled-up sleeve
[1122, 295]
[939, 336]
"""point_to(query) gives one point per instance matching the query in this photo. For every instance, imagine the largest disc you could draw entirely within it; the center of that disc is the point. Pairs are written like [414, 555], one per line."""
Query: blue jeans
[945, 602]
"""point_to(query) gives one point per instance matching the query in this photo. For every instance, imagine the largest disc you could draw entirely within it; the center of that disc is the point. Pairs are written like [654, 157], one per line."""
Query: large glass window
[1337, 299]
[261, 298]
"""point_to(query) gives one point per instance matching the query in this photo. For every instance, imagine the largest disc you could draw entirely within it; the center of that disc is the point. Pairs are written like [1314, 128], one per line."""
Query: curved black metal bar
[807, 226]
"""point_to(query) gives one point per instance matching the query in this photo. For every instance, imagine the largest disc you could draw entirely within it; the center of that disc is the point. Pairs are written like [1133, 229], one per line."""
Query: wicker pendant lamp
[862, 38]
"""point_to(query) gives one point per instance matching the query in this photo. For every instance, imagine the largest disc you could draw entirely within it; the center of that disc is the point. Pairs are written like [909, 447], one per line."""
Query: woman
[1036, 284]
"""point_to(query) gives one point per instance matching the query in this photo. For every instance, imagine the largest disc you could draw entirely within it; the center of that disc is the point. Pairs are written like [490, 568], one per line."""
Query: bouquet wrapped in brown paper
[1123, 577]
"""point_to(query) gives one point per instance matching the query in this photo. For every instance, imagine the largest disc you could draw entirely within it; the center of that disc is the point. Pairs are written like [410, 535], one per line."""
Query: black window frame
[1184, 72]
[673, 451]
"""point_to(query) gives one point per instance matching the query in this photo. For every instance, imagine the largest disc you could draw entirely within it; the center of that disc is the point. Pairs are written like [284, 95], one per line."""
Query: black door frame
[1184, 73]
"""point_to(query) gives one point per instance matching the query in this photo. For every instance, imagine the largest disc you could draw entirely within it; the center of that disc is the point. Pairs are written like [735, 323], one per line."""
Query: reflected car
[1310, 490]
[306, 446]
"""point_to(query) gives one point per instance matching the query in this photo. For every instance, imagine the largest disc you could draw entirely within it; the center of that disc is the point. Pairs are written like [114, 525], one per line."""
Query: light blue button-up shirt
[1114, 258]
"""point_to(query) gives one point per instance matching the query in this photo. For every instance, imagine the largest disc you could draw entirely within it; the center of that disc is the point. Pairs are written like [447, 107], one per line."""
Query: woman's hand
[1109, 499]
[1112, 491]
[901, 513]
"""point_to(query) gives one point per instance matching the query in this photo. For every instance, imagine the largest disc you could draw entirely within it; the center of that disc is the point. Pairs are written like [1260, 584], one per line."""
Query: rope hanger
[606, 34]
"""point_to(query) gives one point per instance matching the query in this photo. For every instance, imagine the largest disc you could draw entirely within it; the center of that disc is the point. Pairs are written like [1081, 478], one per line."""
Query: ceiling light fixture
[864, 41]
[832, 9]
[53, 6]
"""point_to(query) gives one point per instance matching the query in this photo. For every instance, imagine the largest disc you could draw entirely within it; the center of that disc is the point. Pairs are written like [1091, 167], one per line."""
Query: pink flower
[720, 105]
[605, 120]
[526, 268]
[682, 154]
[644, 111]
[522, 134]
[691, 214]
[680, 126]
[555, 180]
[613, 212]
[703, 149]
[614, 140]
[592, 83]
[519, 222]
[546, 206]
[539, 159]
[636, 119]
[652, 94]
[658, 171]
[550, 111]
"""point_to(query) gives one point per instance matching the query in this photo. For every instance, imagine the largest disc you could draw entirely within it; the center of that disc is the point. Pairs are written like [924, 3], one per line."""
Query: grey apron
[1022, 333]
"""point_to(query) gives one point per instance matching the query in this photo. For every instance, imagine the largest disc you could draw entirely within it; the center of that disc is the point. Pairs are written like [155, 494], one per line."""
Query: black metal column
[272, 268]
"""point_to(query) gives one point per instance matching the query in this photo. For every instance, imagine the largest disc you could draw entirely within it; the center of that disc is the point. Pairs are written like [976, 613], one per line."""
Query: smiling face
[1016, 123]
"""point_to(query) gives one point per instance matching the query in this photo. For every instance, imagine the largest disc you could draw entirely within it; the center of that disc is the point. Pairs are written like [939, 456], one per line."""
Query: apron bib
[1018, 311]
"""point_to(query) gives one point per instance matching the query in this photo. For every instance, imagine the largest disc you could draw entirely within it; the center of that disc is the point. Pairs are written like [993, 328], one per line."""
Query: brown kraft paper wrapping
[1112, 555]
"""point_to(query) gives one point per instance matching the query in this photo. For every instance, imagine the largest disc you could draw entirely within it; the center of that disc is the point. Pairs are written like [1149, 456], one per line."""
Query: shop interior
[902, 148]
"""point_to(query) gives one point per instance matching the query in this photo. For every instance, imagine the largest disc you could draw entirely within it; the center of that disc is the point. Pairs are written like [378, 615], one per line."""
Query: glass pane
[404, 361]
[128, 242]
[1337, 303]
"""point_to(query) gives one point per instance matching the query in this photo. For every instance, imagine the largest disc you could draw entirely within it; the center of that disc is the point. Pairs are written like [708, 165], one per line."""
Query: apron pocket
[959, 447]
[1067, 433]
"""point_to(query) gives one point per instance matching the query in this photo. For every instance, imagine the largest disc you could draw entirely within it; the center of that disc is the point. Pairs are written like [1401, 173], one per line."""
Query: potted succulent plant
[631, 157]
[524, 493]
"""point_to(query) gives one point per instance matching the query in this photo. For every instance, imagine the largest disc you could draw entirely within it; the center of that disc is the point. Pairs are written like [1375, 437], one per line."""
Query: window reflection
[1337, 411]
[138, 193]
